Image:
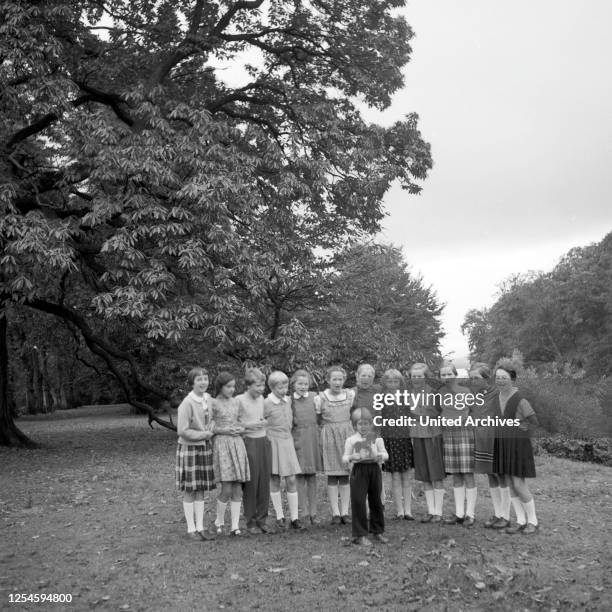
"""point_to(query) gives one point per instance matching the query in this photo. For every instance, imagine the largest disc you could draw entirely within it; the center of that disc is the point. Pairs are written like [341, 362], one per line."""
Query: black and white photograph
[305, 304]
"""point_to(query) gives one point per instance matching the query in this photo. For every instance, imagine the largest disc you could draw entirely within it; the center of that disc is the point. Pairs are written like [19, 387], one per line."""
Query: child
[513, 453]
[427, 445]
[365, 389]
[230, 461]
[306, 441]
[277, 411]
[194, 465]
[334, 409]
[398, 445]
[256, 492]
[365, 452]
[484, 442]
[458, 448]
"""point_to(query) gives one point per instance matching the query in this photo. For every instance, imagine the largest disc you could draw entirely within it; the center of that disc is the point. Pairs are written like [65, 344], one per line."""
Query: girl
[513, 453]
[427, 443]
[230, 461]
[398, 445]
[484, 441]
[194, 465]
[334, 409]
[365, 389]
[256, 492]
[458, 447]
[277, 411]
[306, 441]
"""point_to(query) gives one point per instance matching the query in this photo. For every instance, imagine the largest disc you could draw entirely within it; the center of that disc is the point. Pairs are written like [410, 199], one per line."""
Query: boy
[366, 453]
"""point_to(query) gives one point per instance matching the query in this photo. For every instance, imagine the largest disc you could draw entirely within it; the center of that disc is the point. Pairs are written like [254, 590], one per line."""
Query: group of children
[246, 444]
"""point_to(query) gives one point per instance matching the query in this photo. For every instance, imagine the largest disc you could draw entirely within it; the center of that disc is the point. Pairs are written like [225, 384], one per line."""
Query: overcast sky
[516, 101]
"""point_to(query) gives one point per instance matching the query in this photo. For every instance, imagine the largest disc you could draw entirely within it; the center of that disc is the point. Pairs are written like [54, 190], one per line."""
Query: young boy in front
[365, 452]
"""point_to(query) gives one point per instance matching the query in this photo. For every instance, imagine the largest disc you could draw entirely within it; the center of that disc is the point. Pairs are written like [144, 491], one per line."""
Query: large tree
[143, 189]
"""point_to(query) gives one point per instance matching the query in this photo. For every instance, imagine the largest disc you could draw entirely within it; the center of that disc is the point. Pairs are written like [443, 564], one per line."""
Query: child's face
[392, 384]
[447, 373]
[200, 384]
[365, 378]
[364, 426]
[502, 380]
[301, 384]
[228, 389]
[478, 382]
[336, 381]
[256, 389]
[280, 389]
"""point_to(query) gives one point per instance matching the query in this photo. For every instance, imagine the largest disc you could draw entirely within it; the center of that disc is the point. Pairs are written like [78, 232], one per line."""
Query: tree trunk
[10, 434]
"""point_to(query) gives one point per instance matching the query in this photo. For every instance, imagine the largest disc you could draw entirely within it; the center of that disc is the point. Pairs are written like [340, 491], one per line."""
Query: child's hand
[379, 458]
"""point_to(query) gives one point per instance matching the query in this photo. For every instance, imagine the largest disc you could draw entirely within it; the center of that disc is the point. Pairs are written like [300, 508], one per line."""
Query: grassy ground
[94, 514]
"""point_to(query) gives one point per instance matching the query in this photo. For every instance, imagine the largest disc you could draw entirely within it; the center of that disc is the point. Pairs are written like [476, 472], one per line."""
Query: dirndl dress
[230, 461]
[336, 427]
[278, 414]
[305, 432]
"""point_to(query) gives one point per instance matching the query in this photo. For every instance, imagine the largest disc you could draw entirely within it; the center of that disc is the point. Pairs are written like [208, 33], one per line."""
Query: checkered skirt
[458, 450]
[194, 467]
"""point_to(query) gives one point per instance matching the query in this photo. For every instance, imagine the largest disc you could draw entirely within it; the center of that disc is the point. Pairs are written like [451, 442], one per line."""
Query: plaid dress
[336, 428]
[458, 442]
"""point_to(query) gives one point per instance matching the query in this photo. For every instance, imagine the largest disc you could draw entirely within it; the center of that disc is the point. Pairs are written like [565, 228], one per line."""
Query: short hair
[448, 364]
[301, 374]
[276, 378]
[363, 366]
[360, 414]
[483, 369]
[191, 376]
[335, 368]
[507, 365]
[253, 376]
[420, 366]
[221, 380]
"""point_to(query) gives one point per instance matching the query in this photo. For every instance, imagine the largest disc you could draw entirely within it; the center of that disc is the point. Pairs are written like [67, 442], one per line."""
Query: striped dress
[484, 436]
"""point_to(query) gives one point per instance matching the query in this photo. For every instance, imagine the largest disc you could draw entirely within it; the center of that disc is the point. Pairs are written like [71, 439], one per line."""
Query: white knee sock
[235, 514]
[345, 498]
[332, 493]
[292, 500]
[198, 506]
[431, 504]
[530, 511]
[407, 495]
[470, 497]
[278, 504]
[396, 488]
[504, 507]
[188, 509]
[517, 504]
[459, 494]
[496, 499]
[438, 501]
[220, 520]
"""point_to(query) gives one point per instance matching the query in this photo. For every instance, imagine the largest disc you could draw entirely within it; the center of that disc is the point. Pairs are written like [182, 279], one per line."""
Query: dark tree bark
[10, 434]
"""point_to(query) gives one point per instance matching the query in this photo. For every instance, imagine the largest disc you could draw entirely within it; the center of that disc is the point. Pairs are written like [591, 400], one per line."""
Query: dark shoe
[454, 520]
[501, 523]
[362, 541]
[379, 537]
[345, 520]
[236, 533]
[206, 536]
[436, 518]
[336, 520]
[264, 528]
[490, 522]
[254, 530]
[530, 529]
[297, 525]
[194, 535]
[281, 523]
[515, 528]
[408, 517]
[468, 521]
[427, 518]
[398, 517]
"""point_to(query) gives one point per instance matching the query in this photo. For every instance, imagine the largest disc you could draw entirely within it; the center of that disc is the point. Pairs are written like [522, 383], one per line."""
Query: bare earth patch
[94, 514]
